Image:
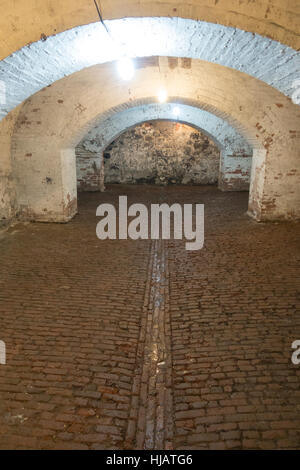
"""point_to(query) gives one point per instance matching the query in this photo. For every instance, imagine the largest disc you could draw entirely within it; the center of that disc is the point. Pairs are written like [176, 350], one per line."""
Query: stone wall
[159, 152]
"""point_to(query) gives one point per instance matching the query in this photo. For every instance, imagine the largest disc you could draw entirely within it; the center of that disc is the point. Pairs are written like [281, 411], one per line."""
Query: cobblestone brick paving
[140, 344]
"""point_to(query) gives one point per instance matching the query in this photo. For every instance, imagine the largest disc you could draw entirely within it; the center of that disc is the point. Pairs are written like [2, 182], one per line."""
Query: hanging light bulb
[126, 68]
[162, 96]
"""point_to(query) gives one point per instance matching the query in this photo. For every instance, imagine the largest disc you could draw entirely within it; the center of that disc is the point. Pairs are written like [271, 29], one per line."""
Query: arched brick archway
[213, 32]
[25, 22]
[235, 153]
[54, 120]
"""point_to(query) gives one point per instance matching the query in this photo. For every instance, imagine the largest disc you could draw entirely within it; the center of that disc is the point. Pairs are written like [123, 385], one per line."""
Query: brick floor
[80, 318]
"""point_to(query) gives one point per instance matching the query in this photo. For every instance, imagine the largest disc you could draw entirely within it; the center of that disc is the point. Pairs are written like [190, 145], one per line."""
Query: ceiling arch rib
[224, 135]
[270, 18]
[36, 66]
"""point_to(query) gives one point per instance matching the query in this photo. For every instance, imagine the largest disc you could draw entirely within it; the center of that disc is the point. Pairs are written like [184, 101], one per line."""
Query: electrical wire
[118, 45]
[100, 16]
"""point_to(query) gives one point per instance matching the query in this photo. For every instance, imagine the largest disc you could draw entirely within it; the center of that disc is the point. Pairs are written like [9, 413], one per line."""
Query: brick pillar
[274, 188]
[46, 185]
[235, 171]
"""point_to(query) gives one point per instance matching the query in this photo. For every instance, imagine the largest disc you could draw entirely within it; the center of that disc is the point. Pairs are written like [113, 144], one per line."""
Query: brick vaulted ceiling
[23, 22]
[36, 66]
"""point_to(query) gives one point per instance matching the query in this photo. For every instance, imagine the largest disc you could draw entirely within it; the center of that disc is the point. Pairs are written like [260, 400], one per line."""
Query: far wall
[160, 152]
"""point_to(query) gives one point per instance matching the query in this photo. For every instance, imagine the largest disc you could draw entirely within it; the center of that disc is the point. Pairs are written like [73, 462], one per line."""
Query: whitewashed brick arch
[236, 154]
[36, 66]
[54, 120]
[23, 22]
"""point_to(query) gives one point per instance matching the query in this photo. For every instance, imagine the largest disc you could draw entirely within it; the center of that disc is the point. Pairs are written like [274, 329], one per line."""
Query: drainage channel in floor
[151, 420]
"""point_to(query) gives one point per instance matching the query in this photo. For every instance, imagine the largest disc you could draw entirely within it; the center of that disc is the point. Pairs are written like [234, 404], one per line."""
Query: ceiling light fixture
[126, 68]
[162, 96]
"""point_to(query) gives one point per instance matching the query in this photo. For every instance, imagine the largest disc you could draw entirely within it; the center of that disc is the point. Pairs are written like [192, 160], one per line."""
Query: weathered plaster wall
[23, 22]
[40, 64]
[7, 181]
[59, 116]
[158, 152]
